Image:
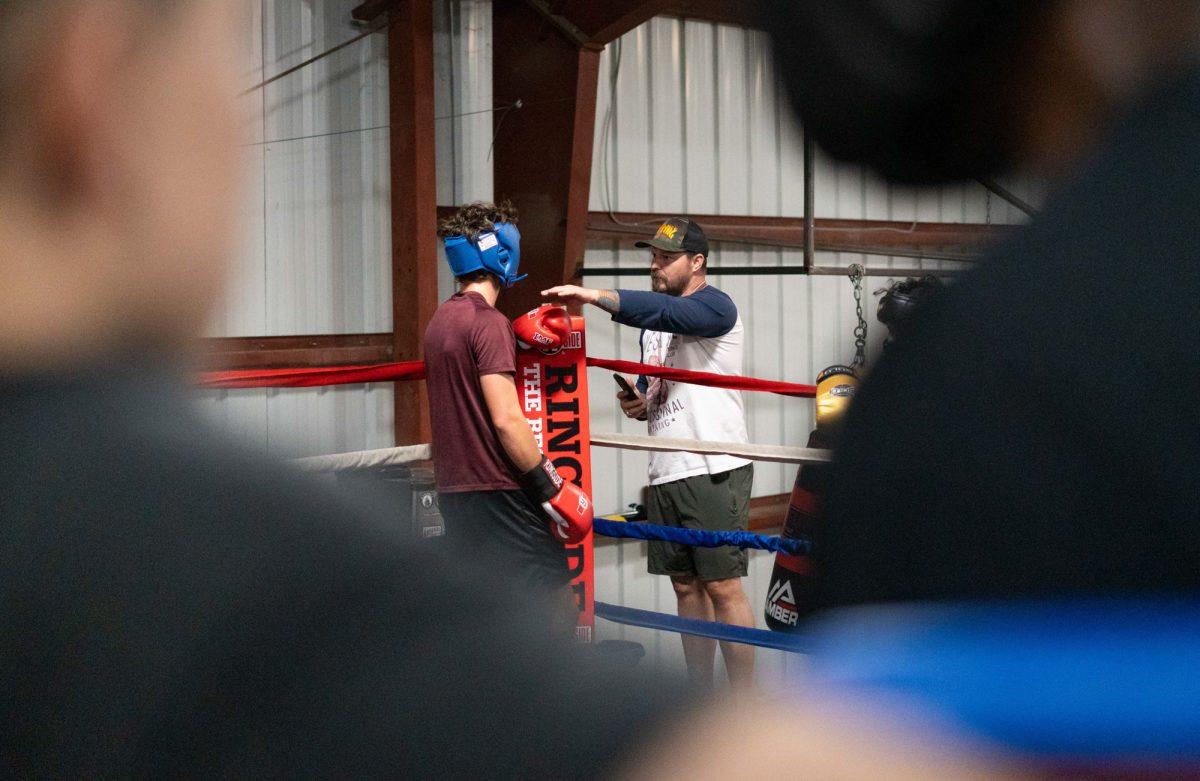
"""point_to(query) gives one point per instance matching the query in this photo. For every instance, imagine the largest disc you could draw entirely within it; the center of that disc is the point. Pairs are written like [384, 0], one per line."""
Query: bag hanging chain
[860, 330]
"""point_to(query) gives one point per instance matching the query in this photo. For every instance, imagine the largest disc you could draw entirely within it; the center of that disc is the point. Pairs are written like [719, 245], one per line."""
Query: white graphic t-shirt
[679, 410]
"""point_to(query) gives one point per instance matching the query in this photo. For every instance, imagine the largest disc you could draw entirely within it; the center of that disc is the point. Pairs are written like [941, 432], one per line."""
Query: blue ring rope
[692, 626]
[700, 538]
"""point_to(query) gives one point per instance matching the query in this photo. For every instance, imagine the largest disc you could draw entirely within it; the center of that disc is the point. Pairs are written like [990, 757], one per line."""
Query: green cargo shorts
[719, 502]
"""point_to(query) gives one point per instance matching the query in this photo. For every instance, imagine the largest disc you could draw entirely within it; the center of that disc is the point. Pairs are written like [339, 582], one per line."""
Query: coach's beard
[659, 284]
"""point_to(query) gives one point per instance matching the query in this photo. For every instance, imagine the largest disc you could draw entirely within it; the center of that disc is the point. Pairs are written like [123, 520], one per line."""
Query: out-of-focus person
[1036, 431]
[1010, 535]
[174, 606]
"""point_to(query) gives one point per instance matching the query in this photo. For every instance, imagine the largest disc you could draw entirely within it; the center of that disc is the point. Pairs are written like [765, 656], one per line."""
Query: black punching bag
[790, 595]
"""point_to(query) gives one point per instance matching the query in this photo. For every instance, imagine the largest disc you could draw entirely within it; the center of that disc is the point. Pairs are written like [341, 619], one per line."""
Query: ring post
[554, 396]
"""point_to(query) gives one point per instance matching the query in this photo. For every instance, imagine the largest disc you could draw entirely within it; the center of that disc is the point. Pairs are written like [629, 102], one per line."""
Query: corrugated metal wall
[315, 257]
[689, 120]
[463, 67]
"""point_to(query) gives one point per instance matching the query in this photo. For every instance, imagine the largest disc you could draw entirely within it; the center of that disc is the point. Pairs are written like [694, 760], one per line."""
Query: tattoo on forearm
[609, 301]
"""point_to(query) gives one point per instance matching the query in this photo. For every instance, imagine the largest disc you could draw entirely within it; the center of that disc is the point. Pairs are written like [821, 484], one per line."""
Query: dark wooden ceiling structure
[546, 53]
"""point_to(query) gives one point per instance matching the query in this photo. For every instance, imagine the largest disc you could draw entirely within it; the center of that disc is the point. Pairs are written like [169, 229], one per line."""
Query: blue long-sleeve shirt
[708, 312]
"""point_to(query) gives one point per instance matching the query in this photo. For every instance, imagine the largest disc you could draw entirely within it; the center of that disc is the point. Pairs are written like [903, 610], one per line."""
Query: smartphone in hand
[626, 388]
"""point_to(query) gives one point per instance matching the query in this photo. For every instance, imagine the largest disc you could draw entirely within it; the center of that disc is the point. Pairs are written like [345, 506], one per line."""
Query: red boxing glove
[546, 328]
[568, 508]
[570, 512]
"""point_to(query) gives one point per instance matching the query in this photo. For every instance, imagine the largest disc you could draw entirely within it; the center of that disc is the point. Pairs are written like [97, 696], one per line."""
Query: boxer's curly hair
[472, 220]
[476, 218]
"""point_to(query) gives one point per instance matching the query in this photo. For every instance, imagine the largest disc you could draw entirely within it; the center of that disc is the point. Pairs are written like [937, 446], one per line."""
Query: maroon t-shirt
[467, 338]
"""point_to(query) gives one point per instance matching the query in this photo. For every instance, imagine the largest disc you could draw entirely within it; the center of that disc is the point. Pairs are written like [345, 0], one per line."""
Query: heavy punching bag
[790, 595]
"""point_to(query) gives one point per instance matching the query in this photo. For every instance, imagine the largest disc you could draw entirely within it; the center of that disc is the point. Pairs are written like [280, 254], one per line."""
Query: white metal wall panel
[463, 95]
[295, 422]
[328, 221]
[691, 117]
[316, 252]
[242, 311]
[463, 98]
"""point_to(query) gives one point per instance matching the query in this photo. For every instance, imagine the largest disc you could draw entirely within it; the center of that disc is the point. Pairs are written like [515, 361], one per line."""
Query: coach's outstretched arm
[691, 315]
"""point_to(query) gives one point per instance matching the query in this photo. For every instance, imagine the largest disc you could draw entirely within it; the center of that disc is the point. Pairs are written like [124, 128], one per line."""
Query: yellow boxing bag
[836, 385]
[790, 595]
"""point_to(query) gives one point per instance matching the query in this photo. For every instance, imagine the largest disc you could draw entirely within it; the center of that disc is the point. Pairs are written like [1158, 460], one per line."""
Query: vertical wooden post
[543, 150]
[414, 202]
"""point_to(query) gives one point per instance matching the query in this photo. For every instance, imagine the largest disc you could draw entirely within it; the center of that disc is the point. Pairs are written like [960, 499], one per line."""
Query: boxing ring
[1071, 701]
[553, 391]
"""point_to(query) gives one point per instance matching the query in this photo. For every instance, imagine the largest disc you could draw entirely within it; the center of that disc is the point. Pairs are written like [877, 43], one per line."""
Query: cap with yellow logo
[678, 234]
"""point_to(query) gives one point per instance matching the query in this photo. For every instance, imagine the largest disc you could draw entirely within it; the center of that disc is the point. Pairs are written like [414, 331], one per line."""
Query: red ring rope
[731, 381]
[415, 370]
[308, 378]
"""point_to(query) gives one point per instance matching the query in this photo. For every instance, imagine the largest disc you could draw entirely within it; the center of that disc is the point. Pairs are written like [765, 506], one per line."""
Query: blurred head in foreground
[944, 90]
[1025, 635]
[118, 173]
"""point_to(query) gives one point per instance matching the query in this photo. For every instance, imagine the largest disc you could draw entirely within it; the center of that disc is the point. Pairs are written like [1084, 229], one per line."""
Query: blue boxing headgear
[497, 251]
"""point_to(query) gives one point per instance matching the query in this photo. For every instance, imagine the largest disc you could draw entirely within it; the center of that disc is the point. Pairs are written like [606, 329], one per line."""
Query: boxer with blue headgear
[503, 501]
[483, 237]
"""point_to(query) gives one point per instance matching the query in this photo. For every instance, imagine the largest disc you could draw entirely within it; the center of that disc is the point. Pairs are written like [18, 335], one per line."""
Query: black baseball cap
[678, 234]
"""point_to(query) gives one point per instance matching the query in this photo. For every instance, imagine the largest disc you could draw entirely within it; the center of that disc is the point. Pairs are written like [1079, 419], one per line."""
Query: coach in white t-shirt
[688, 324]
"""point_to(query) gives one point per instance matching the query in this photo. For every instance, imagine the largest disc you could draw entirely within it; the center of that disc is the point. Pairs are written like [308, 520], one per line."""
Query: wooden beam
[292, 352]
[414, 202]
[832, 235]
[604, 22]
[371, 10]
[735, 12]
[579, 175]
[768, 512]
[565, 26]
[543, 151]
[929, 240]
[601, 23]
[785, 230]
